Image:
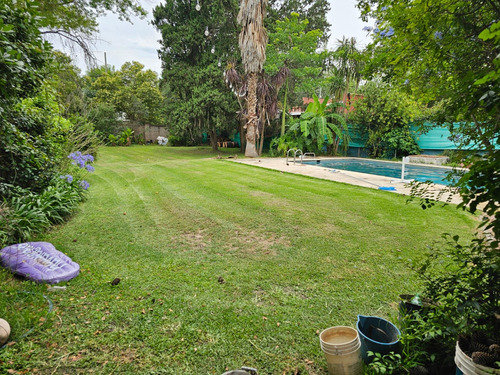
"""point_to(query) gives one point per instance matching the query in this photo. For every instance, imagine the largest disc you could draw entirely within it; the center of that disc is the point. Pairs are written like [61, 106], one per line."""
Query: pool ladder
[302, 155]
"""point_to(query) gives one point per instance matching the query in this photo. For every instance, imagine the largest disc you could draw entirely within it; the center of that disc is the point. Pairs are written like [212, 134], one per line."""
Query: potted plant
[463, 282]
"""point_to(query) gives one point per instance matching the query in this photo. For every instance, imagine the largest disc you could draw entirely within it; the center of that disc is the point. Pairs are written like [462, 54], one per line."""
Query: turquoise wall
[437, 138]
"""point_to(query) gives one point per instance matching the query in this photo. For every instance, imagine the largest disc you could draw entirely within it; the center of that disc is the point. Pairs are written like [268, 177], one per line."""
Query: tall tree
[252, 41]
[347, 67]
[293, 47]
[314, 11]
[194, 45]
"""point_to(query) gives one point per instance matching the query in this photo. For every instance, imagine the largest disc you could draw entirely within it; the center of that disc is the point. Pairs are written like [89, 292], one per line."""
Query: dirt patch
[128, 356]
[199, 239]
[296, 292]
[252, 242]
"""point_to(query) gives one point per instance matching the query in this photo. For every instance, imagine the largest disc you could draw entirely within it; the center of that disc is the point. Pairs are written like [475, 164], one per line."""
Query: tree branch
[75, 39]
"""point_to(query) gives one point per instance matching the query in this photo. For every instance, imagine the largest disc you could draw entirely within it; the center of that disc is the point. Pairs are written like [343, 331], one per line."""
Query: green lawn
[296, 255]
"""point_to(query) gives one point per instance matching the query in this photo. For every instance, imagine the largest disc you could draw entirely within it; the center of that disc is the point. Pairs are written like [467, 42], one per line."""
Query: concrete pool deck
[347, 177]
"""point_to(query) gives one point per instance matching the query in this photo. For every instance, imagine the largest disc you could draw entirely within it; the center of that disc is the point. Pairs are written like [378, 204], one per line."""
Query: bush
[25, 214]
[462, 281]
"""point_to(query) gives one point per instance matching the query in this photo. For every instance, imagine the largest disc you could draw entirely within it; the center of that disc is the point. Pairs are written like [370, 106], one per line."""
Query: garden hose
[51, 307]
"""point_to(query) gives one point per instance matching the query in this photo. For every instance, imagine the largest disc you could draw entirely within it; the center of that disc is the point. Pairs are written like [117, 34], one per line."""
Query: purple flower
[368, 28]
[84, 184]
[82, 160]
[68, 178]
[376, 30]
[89, 158]
[389, 33]
[407, 81]
[384, 8]
[438, 35]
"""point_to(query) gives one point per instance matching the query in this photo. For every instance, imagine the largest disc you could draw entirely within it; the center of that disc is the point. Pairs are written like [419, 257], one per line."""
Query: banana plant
[320, 125]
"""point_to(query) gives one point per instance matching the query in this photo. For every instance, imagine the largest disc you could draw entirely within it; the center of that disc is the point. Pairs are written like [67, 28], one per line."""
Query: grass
[221, 265]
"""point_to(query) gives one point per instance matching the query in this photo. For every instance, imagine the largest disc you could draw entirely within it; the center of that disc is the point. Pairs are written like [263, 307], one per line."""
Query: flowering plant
[82, 161]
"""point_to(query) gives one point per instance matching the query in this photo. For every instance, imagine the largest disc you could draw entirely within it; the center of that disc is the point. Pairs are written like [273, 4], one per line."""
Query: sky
[123, 41]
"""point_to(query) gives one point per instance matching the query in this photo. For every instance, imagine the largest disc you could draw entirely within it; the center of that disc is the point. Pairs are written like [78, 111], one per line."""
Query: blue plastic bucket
[377, 335]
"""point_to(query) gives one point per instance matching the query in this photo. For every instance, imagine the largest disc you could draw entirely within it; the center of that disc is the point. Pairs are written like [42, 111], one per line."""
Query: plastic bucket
[466, 366]
[342, 350]
[377, 335]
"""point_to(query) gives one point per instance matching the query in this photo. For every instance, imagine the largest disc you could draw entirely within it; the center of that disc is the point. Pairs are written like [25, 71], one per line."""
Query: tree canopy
[131, 93]
[315, 11]
[293, 46]
[381, 118]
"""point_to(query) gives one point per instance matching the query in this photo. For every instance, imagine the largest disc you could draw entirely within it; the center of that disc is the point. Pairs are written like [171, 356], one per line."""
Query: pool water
[436, 175]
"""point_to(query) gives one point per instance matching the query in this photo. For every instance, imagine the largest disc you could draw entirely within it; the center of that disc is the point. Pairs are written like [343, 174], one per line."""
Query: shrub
[462, 281]
[25, 214]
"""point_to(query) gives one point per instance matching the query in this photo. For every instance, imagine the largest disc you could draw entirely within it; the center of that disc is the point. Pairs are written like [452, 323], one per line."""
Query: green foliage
[23, 53]
[314, 11]
[198, 100]
[401, 142]
[448, 51]
[32, 142]
[131, 92]
[347, 63]
[122, 139]
[318, 126]
[462, 283]
[391, 363]
[381, 117]
[105, 118]
[24, 213]
[65, 79]
[293, 46]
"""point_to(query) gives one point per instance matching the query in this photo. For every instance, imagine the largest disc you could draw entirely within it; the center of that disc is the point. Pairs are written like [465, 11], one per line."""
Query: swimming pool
[386, 168]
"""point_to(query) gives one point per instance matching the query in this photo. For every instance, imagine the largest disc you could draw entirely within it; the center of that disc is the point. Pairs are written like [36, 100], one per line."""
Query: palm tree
[252, 41]
[349, 65]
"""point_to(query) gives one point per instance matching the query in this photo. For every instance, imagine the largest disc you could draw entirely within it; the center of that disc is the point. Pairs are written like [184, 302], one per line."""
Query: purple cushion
[39, 261]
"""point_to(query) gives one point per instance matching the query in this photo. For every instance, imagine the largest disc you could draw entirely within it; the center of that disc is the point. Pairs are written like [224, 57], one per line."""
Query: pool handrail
[295, 155]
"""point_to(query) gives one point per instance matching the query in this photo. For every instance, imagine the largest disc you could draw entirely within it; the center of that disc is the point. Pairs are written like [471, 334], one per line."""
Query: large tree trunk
[213, 139]
[252, 131]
